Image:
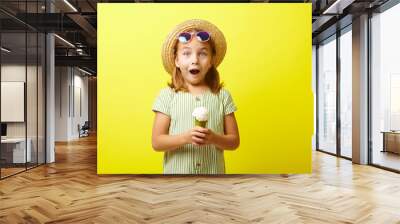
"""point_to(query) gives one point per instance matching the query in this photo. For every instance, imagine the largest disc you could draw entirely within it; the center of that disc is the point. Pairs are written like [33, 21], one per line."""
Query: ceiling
[76, 22]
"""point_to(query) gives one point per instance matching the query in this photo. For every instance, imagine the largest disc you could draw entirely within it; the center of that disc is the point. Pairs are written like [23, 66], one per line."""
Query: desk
[16, 147]
[391, 141]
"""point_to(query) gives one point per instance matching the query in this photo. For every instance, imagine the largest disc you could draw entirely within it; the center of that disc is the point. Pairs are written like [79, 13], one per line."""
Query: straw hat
[167, 52]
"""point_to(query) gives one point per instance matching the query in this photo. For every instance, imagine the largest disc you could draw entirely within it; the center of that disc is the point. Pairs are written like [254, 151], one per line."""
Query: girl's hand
[200, 136]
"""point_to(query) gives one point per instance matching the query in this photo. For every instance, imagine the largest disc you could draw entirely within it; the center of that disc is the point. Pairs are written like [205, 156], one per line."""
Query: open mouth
[194, 71]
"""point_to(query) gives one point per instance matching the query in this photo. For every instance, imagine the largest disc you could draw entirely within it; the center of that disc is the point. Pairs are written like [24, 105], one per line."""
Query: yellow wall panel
[267, 69]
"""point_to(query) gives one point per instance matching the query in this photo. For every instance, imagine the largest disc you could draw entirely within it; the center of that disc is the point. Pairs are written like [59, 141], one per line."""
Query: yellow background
[267, 69]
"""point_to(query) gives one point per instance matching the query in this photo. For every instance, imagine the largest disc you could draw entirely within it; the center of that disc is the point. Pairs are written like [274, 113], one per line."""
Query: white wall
[33, 127]
[12, 73]
[80, 84]
[62, 80]
[71, 93]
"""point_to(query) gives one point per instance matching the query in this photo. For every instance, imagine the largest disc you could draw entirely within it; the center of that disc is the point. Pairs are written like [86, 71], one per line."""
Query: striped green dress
[192, 159]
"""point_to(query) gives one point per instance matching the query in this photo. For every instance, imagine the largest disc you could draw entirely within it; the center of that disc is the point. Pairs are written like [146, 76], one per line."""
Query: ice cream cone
[200, 115]
[200, 123]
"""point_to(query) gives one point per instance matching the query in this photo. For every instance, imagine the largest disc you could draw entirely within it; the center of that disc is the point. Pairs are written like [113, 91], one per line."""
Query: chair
[84, 130]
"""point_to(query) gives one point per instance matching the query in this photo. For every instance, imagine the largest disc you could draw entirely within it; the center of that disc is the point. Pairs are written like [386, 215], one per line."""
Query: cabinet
[391, 141]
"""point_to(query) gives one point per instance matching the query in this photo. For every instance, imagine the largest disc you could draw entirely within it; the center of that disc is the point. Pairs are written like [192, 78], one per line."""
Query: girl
[191, 53]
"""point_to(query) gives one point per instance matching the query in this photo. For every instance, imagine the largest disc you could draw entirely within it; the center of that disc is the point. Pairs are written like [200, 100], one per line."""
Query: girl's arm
[230, 140]
[161, 140]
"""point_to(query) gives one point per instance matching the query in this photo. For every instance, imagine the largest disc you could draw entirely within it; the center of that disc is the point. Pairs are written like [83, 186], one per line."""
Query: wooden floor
[5, 172]
[69, 191]
[387, 159]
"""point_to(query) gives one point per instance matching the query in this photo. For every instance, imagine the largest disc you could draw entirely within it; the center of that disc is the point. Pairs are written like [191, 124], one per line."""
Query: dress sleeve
[163, 101]
[229, 105]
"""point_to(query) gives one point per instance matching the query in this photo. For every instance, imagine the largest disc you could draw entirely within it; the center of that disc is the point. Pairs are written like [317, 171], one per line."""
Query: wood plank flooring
[70, 191]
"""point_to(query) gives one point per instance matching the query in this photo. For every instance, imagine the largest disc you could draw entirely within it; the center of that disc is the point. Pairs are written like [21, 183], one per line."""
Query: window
[327, 95]
[385, 88]
[346, 93]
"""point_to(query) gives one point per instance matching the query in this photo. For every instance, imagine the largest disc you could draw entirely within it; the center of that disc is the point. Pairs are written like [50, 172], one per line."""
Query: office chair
[84, 130]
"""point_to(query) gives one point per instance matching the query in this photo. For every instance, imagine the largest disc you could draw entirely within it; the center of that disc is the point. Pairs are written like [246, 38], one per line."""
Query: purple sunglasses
[202, 36]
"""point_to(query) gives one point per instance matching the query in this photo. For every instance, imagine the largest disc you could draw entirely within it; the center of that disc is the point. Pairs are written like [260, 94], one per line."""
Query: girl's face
[194, 60]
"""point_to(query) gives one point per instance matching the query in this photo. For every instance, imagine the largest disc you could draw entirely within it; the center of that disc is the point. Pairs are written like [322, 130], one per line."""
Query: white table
[19, 149]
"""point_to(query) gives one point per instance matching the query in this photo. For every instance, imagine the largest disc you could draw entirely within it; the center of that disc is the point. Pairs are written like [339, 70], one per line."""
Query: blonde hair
[211, 79]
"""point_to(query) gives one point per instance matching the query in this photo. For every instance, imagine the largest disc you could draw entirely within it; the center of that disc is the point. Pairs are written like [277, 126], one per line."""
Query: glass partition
[385, 89]
[22, 77]
[327, 95]
[346, 93]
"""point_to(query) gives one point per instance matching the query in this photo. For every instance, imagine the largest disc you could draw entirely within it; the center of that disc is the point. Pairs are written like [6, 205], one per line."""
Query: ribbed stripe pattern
[192, 159]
